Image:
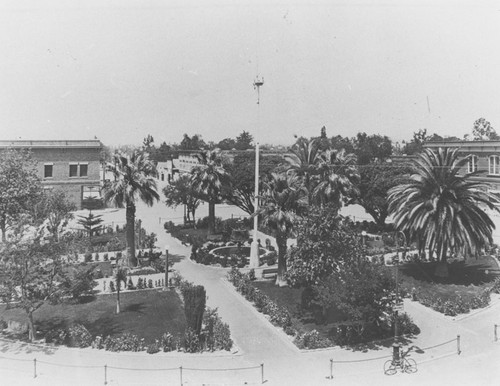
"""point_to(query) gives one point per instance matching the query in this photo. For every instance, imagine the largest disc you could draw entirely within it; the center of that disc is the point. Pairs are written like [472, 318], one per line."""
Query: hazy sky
[122, 69]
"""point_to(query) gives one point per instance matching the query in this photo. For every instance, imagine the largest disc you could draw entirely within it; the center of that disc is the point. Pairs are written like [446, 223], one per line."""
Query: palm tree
[440, 210]
[284, 198]
[208, 180]
[336, 179]
[133, 180]
[120, 276]
[303, 161]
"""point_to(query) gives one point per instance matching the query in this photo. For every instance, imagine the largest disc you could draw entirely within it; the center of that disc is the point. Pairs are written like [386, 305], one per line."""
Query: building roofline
[22, 144]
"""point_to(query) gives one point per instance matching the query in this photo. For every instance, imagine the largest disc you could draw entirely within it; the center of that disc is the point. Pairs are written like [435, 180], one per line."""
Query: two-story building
[72, 166]
[482, 156]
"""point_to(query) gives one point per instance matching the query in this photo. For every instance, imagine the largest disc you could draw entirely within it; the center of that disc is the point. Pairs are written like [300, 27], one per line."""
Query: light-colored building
[72, 166]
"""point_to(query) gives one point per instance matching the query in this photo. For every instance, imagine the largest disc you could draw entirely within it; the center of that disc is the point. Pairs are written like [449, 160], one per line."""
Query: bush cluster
[456, 305]
[279, 316]
[75, 335]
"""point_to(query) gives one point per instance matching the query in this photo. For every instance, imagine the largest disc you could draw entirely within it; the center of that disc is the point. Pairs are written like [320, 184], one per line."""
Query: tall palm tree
[303, 161]
[440, 209]
[120, 276]
[284, 198]
[336, 179]
[133, 180]
[208, 180]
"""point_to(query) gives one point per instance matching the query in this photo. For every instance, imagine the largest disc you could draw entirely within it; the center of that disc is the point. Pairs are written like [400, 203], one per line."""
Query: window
[494, 165]
[83, 170]
[73, 170]
[472, 164]
[48, 170]
[78, 170]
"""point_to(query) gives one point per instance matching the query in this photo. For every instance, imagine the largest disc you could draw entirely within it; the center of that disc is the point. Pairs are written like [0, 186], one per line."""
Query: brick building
[72, 166]
[482, 156]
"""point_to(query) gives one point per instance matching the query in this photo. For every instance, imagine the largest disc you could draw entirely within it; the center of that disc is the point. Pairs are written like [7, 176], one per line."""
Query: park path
[258, 341]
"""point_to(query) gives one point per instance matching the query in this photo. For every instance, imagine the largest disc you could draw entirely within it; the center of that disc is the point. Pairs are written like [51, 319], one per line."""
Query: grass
[146, 313]
[291, 299]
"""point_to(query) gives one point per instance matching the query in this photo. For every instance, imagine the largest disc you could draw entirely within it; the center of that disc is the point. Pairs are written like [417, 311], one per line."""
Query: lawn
[291, 299]
[147, 314]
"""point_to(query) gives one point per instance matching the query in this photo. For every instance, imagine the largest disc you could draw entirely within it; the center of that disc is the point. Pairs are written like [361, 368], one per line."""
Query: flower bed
[344, 333]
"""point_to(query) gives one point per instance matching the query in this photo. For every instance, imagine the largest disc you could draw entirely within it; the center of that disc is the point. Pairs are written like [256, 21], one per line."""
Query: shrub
[251, 274]
[153, 348]
[97, 343]
[140, 284]
[405, 325]
[96, 258]
[112, 286]
[130, 284]
[125, 342]
[88, 257]
[57, 336]
[169, 343]
[191, 341]
[78, 336]
[150, 283]
[194, 306]
[311, 340]
[216, 334]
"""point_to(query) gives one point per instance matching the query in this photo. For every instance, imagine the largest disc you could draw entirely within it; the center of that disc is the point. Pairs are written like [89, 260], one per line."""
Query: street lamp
[396, 306]
[166, 266]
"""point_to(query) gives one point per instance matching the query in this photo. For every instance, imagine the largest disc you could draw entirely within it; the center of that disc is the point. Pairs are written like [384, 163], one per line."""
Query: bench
[217, 237]
[269, 272]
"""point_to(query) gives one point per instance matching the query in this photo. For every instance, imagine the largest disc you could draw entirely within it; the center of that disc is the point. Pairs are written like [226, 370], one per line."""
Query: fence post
[180, 368]
[262, 373]
[34, 367]
[496, 335]
[105, 374]
[331, 369]
[458, 345]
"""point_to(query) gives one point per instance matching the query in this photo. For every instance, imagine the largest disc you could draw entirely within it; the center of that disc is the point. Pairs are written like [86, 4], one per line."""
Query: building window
[48, 170]
[494, 165]
[472, 164]
[83, 170]
[78, 170]
[73, 170]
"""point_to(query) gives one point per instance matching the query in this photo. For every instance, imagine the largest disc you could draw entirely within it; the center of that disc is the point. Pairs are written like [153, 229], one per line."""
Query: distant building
[71, 166]
[482, 156]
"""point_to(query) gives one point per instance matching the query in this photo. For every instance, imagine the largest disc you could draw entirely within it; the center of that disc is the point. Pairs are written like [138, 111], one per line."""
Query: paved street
[257, 341]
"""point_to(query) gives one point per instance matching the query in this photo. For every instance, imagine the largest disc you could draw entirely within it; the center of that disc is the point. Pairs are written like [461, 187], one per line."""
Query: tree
[440, 210]
[326, 242]
[369, 148]
[120, 277]
[91, 223]
[182, 192]
[133, 180]
[192, 143]
[20, 187]
[303, 161]
[78, 282]
[482, 130]
[244, 141]
[241, 171]
[208, 180]
[227, 144]
[31, 271]
[284, 198]
[375, 181]
[57, 210]
[361, 290]
[336, 179]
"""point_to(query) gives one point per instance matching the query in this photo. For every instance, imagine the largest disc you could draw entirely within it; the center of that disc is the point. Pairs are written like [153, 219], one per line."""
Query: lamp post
[396, 307]
[166, 266]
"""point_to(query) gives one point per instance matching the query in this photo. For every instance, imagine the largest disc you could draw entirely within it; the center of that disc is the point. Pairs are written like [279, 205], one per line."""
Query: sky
[120, 70]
